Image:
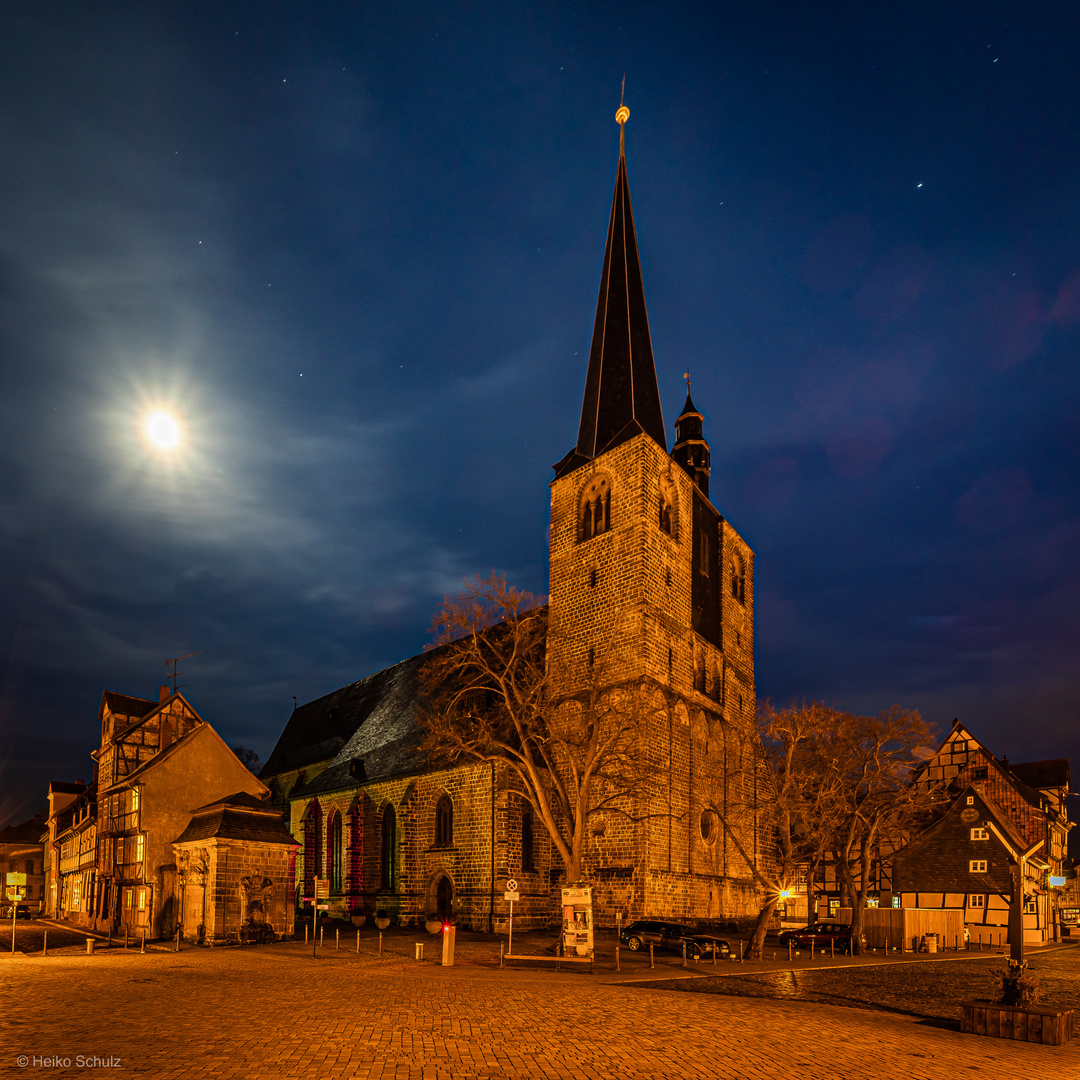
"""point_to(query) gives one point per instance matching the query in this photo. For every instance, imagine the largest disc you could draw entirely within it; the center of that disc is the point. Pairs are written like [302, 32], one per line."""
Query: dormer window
[595, 514]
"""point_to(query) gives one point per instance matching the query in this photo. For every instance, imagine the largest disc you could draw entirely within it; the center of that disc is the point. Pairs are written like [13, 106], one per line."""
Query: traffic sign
[515, 895]
[16, 879]
[511, 885]
[322, 888]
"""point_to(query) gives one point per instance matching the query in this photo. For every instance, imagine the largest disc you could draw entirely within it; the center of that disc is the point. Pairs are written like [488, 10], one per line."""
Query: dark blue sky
[356, 248]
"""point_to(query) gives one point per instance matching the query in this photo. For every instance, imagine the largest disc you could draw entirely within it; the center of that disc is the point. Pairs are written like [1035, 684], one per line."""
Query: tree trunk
[757, 939]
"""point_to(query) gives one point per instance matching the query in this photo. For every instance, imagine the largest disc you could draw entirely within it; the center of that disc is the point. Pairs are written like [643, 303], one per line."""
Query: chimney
[163, 693]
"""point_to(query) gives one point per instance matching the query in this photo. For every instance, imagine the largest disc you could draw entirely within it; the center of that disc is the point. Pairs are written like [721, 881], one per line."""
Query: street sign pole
[511, 894]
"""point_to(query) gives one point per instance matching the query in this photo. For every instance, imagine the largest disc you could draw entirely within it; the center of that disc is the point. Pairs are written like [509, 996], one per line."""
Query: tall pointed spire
[621, 394]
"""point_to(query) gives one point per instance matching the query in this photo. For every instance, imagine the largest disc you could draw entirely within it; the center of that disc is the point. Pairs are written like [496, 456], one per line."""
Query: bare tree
[488, 697]
[795, 790]
[876, 802]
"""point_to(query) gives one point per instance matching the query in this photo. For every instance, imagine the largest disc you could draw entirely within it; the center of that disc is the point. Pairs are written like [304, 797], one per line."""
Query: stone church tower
[650, 584]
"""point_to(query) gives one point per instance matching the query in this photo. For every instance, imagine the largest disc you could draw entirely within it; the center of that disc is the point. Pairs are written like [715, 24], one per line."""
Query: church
[648, 583]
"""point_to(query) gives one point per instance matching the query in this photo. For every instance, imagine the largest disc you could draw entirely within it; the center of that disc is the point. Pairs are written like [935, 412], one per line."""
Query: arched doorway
[444, 899]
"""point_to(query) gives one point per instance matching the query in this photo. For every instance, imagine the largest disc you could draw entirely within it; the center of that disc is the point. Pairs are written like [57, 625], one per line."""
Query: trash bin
[419, 950]
[931, 943]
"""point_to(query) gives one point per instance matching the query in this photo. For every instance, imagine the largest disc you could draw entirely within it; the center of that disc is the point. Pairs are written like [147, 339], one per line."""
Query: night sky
[355, 248]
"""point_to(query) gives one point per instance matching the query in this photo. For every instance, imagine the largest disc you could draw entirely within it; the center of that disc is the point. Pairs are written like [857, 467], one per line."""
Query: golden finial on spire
[622, 114]
[686, 376]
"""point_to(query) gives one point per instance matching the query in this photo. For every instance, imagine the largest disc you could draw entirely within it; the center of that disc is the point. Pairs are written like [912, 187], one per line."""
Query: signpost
[322, 892]
[511, 894]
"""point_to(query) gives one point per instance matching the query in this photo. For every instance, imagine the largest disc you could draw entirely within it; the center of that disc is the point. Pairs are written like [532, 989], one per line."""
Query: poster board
[577, 932]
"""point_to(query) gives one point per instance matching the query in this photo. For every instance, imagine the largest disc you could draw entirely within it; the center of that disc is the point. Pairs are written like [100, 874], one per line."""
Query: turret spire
[622, 398]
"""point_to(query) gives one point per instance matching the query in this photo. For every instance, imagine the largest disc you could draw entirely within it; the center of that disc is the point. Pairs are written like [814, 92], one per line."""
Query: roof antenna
[176, 660]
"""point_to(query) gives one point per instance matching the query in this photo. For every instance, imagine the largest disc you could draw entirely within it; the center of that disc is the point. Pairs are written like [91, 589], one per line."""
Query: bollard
[742, 947]
[790, 945]
[811, 946]
[684, 954]
[89, 946]
[502, 949]
[305, 933]
[110, 937]
[45, 944]
[380, 943]
[358, 941]
[337, 939]
[177, 949]
[125, 937]
[142, 942]
[617, 968]
[715, 950]
[832, 949]
[320, 935]
[886, 946]
[652, 962]
[448, 942]
[419, 947]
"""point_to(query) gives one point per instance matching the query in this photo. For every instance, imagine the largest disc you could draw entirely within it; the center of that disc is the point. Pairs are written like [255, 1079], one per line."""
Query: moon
[162, 430]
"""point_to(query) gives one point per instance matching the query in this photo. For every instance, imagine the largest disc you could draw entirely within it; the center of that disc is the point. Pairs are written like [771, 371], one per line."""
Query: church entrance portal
[444, 899]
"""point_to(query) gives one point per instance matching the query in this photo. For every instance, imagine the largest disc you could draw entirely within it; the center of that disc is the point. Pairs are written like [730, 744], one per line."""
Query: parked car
[22, 911]
[669, 936]
[821, 934]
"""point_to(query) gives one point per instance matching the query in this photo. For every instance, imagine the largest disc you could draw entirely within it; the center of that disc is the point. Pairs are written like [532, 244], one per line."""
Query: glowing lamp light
[162, 430]
[786, 894]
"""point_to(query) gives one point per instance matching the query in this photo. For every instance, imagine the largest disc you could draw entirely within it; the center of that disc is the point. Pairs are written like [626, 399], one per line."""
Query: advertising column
[577, 935]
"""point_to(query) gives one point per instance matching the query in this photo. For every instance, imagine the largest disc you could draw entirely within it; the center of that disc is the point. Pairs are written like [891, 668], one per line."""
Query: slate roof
[1043, 774]
[621, 397]
[372, 721]
[124, 705]
[237, 817]
[67, 787]
[27, 832]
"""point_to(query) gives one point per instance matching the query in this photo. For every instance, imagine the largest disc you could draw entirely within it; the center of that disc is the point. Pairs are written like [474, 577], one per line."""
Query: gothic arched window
[738, 580]
[667, 520]
[594, 516]
[334, 843]
[444, 822]
[527, 863]
[389, 844]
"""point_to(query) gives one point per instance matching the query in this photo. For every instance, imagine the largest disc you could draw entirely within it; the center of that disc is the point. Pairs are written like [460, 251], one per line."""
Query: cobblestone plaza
[277, 1011]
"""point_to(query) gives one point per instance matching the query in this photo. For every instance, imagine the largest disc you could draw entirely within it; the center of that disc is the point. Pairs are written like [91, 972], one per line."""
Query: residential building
[112, 860]
[993, 815]
[22, 851]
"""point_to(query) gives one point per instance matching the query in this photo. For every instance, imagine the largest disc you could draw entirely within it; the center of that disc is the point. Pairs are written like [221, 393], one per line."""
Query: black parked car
[670, 936]
[821, 934]
[21, 911]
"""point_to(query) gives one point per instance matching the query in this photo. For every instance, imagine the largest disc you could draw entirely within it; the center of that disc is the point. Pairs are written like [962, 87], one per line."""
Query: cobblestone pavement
[274, 1011]
[930, 990]
[30, 936]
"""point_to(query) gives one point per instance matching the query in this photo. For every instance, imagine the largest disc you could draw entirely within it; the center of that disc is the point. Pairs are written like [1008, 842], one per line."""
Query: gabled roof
[621, 397]
[67, 787]
[237, 817]
[125, 705]
[27, 832]
[372, 720]
[1053, 773]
